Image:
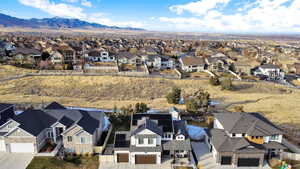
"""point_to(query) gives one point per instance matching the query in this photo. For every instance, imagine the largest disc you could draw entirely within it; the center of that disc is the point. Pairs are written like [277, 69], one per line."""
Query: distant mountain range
[54, 23]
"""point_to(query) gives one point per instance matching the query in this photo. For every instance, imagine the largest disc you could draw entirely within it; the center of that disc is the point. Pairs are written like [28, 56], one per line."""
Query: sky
[208, 16]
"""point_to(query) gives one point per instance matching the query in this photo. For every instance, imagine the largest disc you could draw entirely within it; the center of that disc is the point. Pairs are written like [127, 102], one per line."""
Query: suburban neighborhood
[130, 84]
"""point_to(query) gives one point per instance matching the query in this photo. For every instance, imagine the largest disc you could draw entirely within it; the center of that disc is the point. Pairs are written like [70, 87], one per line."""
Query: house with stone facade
[152, 137]
[244, 139]
[77, 131]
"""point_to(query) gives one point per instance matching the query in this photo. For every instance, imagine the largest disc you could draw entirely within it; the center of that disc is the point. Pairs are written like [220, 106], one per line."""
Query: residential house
[77, 131]
[151, 137]
[268, 71]
[164, 62]
[128, 58]
[68, 53]
[56, 58]
[26, 54]
[100, 56]
[294, 68]
[192, 64]
[244, 139]
[217, 63]
[6, 113]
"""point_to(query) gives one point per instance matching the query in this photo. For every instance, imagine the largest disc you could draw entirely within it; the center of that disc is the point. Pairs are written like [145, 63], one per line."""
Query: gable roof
[35, 121]
[223, 143]
[189, 61]
[253, 124]
[163, 120]
[150, 125]
[55, 105]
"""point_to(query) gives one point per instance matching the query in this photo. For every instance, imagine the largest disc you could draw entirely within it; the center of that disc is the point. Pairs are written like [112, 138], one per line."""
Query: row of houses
[236, 139]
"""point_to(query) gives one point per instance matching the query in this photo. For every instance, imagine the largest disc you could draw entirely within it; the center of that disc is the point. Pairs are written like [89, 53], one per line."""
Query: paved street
[14, 160]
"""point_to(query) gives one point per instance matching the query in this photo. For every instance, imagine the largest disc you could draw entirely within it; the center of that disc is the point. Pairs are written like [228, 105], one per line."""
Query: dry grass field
[7, 71]
[278, 103]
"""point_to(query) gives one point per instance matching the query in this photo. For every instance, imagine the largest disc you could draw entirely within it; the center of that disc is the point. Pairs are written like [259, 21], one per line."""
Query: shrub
[214, 81]
[226, 83]
[174, 96]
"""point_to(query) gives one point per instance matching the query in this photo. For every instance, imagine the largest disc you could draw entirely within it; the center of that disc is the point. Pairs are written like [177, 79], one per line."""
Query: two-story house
[151, 138]
[164, 62]
[244, 139]
[192, 64]
[100, 56]
[77, 131]
[268, 71]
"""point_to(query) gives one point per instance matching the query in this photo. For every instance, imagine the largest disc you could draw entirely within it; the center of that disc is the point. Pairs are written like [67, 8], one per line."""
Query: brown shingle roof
[192, 61]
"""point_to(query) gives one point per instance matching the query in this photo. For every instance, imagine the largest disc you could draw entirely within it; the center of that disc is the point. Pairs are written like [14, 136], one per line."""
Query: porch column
[54, 134]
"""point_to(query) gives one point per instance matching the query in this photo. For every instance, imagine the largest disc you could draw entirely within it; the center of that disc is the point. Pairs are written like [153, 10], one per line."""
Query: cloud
[56, 9]
[199, 8]
[263, 16]
[102, 19]
[86, 3]
[71, 11]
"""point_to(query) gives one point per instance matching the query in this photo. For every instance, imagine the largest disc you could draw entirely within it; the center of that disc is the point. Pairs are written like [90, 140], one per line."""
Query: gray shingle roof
[253, 124]
[35, 121]
[4, 106]
[55, 105]
[172, 145]
[223, 143]
[150, 125]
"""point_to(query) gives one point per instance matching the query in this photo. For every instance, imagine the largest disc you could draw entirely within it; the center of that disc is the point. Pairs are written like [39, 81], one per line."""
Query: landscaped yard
[70, 163]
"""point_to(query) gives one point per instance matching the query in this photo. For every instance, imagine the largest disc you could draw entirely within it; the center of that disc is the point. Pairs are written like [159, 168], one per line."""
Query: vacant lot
[280, 104]
[69, 163]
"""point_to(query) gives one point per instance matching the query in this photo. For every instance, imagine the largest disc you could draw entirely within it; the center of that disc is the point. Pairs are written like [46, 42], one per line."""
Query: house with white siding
[77, 131]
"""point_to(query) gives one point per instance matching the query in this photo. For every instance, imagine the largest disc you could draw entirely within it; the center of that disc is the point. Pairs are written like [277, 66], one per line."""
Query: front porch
[50, 149]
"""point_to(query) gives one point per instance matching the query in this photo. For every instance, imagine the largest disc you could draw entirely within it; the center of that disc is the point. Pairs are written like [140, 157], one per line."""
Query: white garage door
[2, 145]
[21, 148]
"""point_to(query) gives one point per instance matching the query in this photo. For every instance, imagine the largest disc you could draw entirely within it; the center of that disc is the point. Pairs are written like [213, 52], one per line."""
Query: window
[69, 138]
[150, 141]
[274, 137]
[9, 126]
[82, 140]
[141, 141]
[49, 134]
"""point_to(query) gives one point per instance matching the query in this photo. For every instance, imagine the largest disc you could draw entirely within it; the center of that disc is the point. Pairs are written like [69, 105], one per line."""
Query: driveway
[133, 166]
[14, 160]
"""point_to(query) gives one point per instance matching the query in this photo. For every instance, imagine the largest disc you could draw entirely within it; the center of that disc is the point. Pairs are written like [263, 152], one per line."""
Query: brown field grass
[278, 103]
[7, 71]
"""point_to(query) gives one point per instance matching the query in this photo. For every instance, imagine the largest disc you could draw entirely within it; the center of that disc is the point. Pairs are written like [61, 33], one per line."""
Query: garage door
[248, 162]
[226, 160]
[21, 148]
[2, 145]
[122, 158]
[145, 159]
